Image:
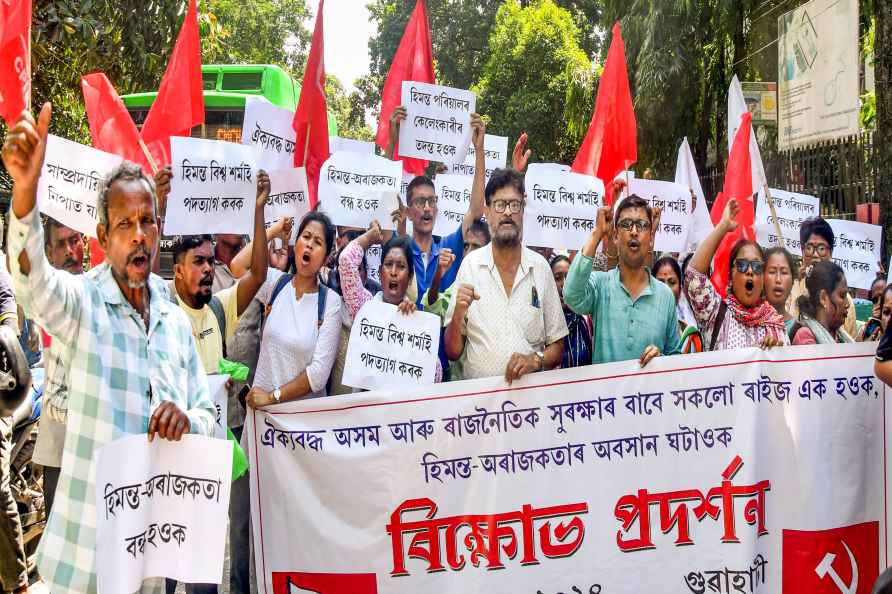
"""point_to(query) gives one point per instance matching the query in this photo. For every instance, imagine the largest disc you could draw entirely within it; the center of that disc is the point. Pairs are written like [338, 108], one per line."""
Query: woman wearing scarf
[823, 311]
[667, 271]
[744, 318]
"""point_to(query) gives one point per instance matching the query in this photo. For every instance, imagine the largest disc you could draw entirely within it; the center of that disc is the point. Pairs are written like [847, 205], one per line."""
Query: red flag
[179, 106]
[111, 126]
[414, 60]
[311, 118]
[611, 143]
[739, 185]
[15, 58]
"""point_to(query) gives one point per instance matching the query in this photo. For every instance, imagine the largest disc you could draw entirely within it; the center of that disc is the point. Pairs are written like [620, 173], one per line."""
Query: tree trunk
[882, 138]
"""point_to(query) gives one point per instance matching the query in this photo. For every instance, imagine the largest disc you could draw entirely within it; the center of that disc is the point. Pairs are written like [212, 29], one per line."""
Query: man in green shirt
[633, 313]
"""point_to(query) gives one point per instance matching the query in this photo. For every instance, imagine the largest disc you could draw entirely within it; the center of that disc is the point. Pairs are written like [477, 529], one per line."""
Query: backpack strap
[320, 310]
[217, 307]
[283, 282]
[717, 327]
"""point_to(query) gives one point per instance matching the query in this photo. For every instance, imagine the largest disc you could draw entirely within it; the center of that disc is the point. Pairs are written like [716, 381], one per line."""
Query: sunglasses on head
[743, 265]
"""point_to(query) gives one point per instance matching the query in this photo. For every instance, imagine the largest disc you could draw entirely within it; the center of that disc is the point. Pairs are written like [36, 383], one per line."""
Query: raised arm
[475, 208]
[241, 262]
[354, 293]
[580, 290]
[703, 256]
[398, 115]
[55, 297]
[249, 285]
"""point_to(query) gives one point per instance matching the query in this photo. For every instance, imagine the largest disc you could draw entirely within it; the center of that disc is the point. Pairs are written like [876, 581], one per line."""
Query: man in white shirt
[506, 316]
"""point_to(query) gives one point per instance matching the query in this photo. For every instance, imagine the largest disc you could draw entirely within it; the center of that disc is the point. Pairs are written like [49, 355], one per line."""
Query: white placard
[674, 201]
[857, 251]
[287, 195]
[69, 183]
[336, 143]
[356, 189]
[561, 207]
[791, 209]
[220, 396]
[213, 187]
[268, 128]
[389, 349]
[438, 122]
[553, 166]
[373, 262]
[162, 509]
[496, 151]
[453, 201]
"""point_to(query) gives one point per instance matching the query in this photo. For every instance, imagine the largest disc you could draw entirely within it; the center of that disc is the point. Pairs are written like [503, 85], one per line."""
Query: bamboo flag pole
[148, 155]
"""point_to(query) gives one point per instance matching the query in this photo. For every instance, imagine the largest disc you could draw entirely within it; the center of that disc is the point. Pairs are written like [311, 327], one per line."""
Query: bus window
[242, 81]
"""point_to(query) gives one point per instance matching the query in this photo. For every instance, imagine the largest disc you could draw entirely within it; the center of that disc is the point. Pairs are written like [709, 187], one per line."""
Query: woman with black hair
[744, 318]
[780, 271]
[667, 271]
[823, 310]
[300, 334]
[578, 343]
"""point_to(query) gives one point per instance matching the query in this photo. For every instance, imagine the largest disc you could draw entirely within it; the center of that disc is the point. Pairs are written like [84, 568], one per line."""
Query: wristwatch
[277, 394]
[541, 356]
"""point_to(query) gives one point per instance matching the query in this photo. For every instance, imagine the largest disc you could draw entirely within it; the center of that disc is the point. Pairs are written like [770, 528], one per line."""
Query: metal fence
[840, 172]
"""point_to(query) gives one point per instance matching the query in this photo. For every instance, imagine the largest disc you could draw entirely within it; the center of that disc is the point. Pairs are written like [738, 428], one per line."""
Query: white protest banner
[69, 182]
[792, 209]
[561, 207]
[748, 465]
[496, 153]
[388, 348]
[287, 195]
[220, 396]
[268, 129]
[336, 143]
[356, 189]
[554, 166]
[676, 218]
[162, 509]
[212, 189]
[438, 122]
[857, 251]
[453, 201]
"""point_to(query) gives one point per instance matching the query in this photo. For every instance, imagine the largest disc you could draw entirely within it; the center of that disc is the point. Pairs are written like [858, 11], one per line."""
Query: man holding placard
[134, 368]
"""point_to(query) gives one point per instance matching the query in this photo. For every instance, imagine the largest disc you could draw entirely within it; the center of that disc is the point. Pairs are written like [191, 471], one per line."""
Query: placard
[162, 509]
[68, 188]
[336, 143]
[857, 251]
[676, 218]
[356, 189]
[561, 207]
[213, 188]
[792, 209]
[438, 122]
[287, 195]
[269, 129]
[496, 151]
[390, 349]
[453, 201]
[759, 471]
[220, 396]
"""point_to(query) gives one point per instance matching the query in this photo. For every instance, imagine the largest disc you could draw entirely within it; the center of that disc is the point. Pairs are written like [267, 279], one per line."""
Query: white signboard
[373, 262]
[390, 349]
[676, 217]
[496, 150]
[220, 396]
[818, 66]
[791, 209]
[356, 189]
[268, 128]
[287, 195]
[759, 471]
[336, 143]
[213, 187]
[561, 207]
[438, 122]
[857, 251]
[69, 183]
[162, 509]
[453, 201]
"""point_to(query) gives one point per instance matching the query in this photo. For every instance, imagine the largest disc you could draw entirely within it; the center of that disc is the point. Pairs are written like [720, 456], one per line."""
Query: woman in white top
[297, 349]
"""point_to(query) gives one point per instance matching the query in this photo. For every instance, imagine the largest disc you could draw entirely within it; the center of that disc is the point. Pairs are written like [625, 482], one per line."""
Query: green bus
[225, 89]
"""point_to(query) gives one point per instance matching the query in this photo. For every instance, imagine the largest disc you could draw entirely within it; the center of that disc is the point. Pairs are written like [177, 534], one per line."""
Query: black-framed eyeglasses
[821, 249]
[742, 266]
[627, 224]
[513, 206]
[422, 201]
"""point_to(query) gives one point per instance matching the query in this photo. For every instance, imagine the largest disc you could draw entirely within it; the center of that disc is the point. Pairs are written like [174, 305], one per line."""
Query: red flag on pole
[179, 105]
[111, 126]
[414, 60]
[738, 185]
[15, 58]
[311, 118]
[611, 143]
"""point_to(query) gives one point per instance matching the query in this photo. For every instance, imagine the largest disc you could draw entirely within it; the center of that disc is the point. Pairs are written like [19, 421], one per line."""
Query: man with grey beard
[506, 316]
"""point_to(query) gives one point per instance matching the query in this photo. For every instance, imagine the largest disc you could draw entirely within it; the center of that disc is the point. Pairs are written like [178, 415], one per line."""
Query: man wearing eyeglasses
[505, 314]
[817, 240]
[633, 313]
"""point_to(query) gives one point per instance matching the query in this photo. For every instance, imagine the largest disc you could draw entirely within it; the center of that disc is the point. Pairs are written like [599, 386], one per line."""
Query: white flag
[686, 175]
[736, 109]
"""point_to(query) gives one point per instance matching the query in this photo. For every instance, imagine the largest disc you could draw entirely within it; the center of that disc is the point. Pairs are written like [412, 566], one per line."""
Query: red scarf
[762, 314]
